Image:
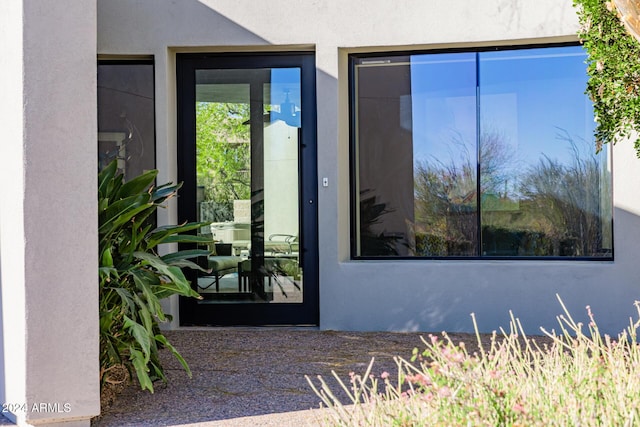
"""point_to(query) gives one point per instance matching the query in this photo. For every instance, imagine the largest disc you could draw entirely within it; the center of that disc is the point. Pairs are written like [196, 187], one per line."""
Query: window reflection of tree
[548, 209]
[568, 200]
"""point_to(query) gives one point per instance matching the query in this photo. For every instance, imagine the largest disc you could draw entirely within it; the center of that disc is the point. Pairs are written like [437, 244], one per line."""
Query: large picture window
[477, 154]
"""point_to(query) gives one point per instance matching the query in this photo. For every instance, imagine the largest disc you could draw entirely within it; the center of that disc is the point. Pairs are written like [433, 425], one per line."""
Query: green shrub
[501, 241]
[133, 278]
[614, 69]
[430, 244]
[580, 379]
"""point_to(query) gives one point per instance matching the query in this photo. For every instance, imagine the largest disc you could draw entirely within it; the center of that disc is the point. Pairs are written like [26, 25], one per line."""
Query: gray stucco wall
[396, 295]
[48, 214]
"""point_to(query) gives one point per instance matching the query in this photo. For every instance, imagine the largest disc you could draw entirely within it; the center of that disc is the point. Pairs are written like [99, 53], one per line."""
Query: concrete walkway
[254, 376]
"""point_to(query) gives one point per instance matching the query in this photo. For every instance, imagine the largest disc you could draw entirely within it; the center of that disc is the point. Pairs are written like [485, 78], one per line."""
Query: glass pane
[126, 127]
[544, 190]
[247, 134]
[444, 132]
[416, 149]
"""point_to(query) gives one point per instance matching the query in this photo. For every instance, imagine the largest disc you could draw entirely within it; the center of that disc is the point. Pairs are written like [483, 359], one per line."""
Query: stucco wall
[11, 210]
[48, 212]
[370, 295]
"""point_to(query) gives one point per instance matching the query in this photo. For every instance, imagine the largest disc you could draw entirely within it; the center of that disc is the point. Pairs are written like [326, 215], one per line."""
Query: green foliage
[577, 378]
[614, 72]
[133, 277]
[223, 150]
[214, 211]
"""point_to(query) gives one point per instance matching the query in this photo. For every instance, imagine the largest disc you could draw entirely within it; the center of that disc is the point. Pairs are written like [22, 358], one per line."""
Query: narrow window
[126, 115]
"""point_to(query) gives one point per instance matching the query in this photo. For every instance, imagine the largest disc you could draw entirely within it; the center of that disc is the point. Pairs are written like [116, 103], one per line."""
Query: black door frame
[306, 313]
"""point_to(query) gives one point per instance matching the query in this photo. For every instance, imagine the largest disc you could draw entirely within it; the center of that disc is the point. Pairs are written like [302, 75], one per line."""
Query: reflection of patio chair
[281, 244]
[285, 245]
[274, 269]
[221, 263]
[238, 234]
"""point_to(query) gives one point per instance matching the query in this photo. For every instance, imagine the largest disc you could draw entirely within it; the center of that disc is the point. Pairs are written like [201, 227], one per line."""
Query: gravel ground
[246, 377]
[254, 376]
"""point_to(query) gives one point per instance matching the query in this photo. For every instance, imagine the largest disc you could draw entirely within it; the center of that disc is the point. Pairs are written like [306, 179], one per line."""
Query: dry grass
[575, 378]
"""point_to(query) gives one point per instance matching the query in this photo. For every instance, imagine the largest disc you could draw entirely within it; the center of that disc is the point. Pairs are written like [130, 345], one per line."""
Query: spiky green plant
[134, 277]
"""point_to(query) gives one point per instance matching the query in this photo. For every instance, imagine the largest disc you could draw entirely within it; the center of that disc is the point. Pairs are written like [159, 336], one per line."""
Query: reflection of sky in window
[285, 87]
[443, 89]
[530, 96]
[527, 96]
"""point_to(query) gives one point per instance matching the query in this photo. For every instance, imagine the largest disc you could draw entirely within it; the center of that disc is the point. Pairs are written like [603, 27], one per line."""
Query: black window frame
[353, 58]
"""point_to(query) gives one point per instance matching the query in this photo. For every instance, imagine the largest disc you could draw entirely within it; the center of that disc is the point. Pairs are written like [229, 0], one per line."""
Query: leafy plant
[133, 277]
[614, 72]
[224, 152]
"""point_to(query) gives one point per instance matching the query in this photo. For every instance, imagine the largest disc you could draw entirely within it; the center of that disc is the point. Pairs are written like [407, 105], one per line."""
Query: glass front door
[247, 160]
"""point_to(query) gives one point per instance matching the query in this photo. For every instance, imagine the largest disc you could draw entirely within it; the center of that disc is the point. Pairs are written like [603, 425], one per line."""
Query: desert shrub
[581, 378]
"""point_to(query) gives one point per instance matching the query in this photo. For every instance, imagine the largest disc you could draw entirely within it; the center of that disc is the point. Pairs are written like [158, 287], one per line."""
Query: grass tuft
[582, 378]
